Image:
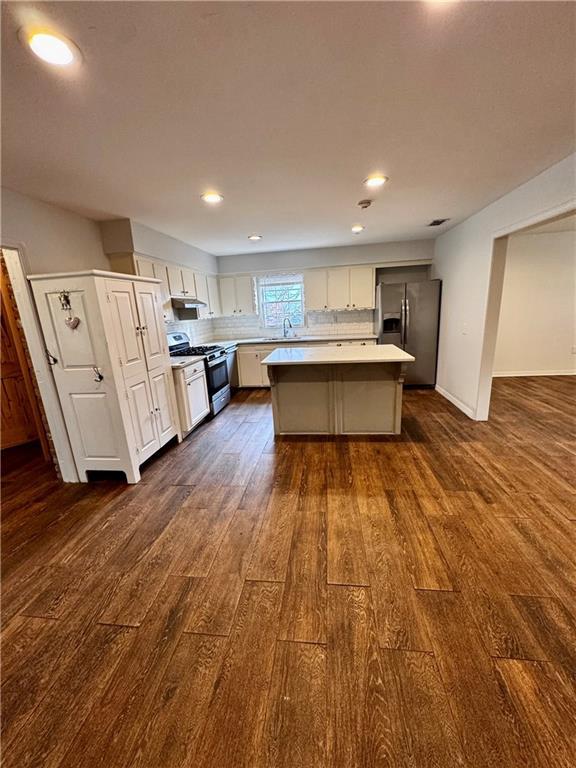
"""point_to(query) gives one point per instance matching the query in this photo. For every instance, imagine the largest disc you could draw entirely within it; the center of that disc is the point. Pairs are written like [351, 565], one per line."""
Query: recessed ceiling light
[357, 228]
[254, 237]
[213, 198]
[375, 180]
[52, 48]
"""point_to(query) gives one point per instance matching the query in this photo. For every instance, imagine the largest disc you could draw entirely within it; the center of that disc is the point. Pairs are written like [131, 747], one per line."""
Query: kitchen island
[337, 390]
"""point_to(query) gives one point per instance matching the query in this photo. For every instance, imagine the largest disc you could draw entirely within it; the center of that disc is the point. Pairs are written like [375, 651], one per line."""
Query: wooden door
[228, 295]
[161, 381]
[362, 288]
[338, 289]
[316, 290]
[245, 295]
[18, 424]
[151, 324]
[214, 296]
[126, 324]
[21, 414]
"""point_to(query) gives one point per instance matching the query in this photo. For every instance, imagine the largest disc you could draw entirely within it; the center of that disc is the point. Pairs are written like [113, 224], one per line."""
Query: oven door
[217, 375]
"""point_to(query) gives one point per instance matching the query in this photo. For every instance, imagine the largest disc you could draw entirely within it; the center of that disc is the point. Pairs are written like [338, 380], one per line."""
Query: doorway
[531, 314]
[23, 436]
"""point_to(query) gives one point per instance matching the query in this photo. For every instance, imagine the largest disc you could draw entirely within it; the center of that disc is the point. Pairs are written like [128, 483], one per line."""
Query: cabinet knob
[157, 410]
[353, 305]
[347, 305]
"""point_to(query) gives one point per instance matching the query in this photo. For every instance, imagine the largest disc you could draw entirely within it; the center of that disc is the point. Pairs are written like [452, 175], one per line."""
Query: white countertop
[293, 339]
[182, 362]
[382, 353]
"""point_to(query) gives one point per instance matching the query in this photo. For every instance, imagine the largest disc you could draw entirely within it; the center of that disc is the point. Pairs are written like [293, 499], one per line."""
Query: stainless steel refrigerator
[408, 314]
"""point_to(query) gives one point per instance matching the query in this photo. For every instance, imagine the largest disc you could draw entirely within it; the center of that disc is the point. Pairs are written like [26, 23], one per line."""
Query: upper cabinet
[237, 296]
[316, 290]
[339, 288]
[181, 281]
[214, 296]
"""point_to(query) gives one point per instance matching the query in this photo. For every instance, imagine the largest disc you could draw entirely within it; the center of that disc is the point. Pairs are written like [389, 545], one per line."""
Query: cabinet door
[202, 295]
[144, 267]
[362, 288]
[151, 324]
[161, 273]
[214, 296]
[249, 368]
[189, 283]
[143, 418]
[264, 370]
[160, 383]
[228, 295]
[197, 398]
[126, 325]
[245, 296]
[338, 289]
[175, 281]
[316, 290]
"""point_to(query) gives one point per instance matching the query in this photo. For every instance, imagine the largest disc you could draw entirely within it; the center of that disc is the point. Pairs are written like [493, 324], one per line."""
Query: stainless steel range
[215, 365]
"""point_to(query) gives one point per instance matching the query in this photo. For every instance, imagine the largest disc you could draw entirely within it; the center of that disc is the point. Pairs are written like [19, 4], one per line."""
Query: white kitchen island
[330, 390]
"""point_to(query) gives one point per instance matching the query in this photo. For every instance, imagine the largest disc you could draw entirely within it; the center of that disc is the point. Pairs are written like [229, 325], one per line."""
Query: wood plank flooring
[401, 602]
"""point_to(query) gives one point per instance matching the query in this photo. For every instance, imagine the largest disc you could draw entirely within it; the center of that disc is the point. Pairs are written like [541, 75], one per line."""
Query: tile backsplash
[317, 323]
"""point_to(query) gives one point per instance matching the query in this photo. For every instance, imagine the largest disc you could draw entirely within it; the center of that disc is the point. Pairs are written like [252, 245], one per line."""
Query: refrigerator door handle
[402, 321]
[407, 320]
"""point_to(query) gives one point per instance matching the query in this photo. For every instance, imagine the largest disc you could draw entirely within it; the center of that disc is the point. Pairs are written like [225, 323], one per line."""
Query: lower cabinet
[192, 396]
[161, 382]
[251, 372]
[143, 417]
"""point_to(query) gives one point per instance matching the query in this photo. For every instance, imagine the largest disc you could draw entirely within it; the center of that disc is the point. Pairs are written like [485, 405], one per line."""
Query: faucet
[284, 329]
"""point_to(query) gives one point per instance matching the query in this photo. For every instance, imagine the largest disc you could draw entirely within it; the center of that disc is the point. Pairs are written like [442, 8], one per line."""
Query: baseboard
[510, 374]
[455, 401]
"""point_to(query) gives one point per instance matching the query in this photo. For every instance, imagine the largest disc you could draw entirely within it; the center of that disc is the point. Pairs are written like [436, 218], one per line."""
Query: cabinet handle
[347, 305]
[325, 306]
[157, 410]
[353, 305]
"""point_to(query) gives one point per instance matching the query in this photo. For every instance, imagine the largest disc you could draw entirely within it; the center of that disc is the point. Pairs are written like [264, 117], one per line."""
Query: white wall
[463, 259]
[536, 330]
[152, 243]
[50, 238]
[378, 253]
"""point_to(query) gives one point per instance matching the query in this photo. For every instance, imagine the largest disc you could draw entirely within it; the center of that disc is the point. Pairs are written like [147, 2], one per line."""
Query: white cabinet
[175, 282]
[214, 296]
[339, 288]
[362, 288]
[151, 326]
[143, 417]
[161, 383]
[251, 372]
[315, 290]
[237, 295]
[191, 395]
[113, 378]
[189, 282]
[144, 267]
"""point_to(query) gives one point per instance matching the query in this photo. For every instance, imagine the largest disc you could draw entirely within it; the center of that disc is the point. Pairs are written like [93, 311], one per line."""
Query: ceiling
[285, 108]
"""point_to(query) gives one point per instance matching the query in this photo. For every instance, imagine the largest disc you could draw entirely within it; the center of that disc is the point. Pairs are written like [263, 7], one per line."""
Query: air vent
[437, 222]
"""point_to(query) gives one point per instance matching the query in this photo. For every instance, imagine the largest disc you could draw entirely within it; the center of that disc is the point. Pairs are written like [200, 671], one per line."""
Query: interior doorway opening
[531, 314]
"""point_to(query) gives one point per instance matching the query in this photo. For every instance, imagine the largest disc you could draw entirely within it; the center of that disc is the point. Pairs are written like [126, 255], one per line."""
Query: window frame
[283, 280]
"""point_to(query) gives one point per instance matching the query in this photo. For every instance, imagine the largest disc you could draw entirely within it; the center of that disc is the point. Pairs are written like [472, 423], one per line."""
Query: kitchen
[288, 392]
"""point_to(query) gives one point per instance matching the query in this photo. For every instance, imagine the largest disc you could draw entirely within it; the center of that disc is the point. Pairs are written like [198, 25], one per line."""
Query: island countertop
[330, 355]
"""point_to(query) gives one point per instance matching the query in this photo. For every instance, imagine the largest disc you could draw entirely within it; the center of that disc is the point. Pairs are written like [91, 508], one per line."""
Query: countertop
[292, 339]
[322, 355]
[182, 362]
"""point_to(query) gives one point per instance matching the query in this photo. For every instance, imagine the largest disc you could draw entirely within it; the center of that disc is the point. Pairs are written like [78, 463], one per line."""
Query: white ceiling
[285, 108]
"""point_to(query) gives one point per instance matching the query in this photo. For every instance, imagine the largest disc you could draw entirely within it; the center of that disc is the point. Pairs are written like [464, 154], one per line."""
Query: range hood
[181, 302]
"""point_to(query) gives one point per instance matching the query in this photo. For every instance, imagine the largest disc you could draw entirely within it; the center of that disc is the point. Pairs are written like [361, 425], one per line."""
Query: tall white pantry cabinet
[106, 342]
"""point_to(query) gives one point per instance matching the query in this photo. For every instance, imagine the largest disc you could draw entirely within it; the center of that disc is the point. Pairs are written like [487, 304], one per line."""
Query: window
[281, 296]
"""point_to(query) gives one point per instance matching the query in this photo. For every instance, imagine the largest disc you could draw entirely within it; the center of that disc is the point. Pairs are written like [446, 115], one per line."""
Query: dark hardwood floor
[306, 603]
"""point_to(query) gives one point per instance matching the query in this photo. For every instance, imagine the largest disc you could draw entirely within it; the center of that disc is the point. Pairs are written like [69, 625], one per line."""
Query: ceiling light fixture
[254, 237]
[357, 228]
[375, 180]
[52, 48]
[212, 198]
